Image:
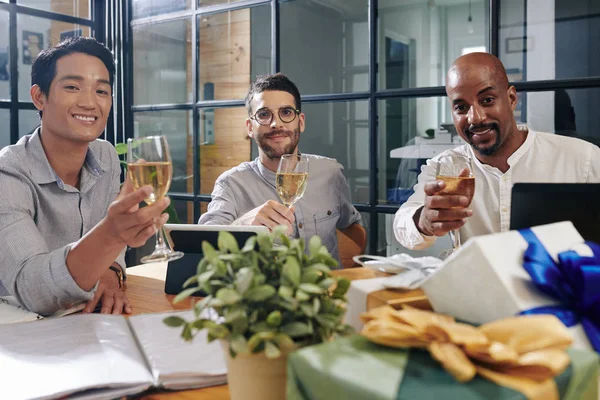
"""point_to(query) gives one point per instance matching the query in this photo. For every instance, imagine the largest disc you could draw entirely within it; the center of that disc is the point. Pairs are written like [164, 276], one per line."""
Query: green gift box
[353, 368]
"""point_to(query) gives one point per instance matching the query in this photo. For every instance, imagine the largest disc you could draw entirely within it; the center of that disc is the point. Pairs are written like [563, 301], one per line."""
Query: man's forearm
[92, 255]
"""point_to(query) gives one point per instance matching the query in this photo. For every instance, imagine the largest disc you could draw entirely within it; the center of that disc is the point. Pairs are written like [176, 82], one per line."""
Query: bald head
[474, 64]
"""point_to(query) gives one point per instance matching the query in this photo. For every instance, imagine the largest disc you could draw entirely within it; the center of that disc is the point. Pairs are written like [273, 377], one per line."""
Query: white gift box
[485, 280]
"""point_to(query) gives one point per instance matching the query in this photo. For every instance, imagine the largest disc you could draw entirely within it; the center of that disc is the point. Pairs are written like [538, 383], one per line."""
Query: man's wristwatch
[120, 275]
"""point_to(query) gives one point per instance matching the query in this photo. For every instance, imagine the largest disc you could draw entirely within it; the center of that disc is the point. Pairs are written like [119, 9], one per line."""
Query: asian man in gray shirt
[246, 194]
[64, 225]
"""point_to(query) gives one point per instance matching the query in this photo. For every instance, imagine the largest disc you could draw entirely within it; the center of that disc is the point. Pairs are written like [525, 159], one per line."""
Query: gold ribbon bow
[522, 353]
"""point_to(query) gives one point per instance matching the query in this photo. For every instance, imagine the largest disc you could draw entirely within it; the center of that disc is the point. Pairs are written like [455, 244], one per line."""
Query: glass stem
[160, 239]
[455, 235]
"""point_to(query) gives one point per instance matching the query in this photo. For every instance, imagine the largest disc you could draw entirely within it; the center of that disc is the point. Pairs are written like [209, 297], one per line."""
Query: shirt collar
[524, 148]
[41, 170]
[268, 175]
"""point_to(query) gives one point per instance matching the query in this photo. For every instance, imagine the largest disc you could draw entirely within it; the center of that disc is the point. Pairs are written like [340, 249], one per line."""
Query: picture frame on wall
[70, 34]
[33, 43]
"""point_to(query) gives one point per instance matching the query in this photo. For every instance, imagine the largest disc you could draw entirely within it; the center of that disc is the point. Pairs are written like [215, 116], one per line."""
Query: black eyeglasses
[264, 116]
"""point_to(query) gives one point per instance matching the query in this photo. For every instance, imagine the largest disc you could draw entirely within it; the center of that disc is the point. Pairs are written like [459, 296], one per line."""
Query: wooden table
[145, 290]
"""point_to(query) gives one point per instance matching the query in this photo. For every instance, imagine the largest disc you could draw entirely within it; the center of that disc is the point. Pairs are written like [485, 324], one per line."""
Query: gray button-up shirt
[324, 207]
[41, 217]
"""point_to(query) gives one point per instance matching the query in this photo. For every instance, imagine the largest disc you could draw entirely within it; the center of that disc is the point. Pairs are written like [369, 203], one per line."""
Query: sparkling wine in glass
[456, 171]
[292, 178]
[149, 163]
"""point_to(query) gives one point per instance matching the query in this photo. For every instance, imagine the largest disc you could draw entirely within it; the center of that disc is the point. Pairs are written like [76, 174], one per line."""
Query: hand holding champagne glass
[292, 178]
[149, 163]
[456, 171]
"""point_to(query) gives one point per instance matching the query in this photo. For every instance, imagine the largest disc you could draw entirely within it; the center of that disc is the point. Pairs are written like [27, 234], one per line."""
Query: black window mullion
[14, 76]
[373, 147]
[494, 31]
[275, 36]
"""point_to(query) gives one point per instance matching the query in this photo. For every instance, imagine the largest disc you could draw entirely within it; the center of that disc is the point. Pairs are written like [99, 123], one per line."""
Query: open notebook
[97, 356]
[12, 312]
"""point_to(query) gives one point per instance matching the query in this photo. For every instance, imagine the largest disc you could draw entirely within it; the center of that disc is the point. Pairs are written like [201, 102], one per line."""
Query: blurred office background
[371, 73]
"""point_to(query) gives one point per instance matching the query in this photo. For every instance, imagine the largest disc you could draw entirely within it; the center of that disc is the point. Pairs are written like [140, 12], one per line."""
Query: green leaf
[186, 334]
[243, 280]
[301, 295]
[198, 324]
[295, 329]
[209, 251]
[265, 242]
[238, 344]
[218, 331]
[190, 280]
[173, 217]
[121, 148]
[284, 341]
[289, 304]
[311, 276]
[249, 245]
[184, 294]
[205, 276]
[307, 309]
[290, 274]
[228, 242]
[343, 285]
[311, 288]
[328, 320]
[228, 296]
[260, 293]
[286, 292]
[202, 304]
[174, 322]
[314, 245]
[327, 283]
[274, 318]
[316, 305]
[319, 267]
[262, 326]
[271, 351]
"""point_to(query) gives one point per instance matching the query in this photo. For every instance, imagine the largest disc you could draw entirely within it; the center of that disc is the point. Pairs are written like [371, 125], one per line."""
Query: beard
[272, 153]
[485, 151]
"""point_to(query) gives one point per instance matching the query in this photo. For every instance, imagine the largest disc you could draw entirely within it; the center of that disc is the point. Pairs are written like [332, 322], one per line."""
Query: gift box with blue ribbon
[545, 269]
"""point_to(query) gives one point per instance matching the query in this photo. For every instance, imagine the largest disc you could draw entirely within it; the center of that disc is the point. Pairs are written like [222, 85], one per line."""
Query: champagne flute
[292, 178]
[456, 171]
[149, 163]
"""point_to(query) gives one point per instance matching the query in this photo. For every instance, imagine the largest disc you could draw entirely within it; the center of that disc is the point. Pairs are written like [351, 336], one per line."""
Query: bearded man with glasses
[246, 194]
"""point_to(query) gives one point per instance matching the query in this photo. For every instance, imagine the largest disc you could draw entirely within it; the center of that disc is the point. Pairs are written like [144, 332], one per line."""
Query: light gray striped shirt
[324, 207]
[41, 217]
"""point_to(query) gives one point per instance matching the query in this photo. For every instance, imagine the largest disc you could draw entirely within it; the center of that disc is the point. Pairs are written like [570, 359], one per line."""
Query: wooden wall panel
[225, 62]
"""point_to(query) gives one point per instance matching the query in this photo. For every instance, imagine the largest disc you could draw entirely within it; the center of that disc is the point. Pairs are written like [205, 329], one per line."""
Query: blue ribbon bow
[574, 281]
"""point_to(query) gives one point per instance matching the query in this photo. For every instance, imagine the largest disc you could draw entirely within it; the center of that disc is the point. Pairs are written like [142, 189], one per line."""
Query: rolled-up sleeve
[37, 277]
[405, 230]
[222, 208]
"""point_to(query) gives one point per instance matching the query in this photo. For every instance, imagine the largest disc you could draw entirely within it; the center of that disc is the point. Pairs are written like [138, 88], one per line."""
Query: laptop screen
[545, 203]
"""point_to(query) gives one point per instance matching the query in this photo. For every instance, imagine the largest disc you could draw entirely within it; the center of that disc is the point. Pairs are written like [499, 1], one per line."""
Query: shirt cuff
[408, 234]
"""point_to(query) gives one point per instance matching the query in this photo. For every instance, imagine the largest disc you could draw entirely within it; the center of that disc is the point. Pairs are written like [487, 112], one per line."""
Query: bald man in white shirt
[503, 154]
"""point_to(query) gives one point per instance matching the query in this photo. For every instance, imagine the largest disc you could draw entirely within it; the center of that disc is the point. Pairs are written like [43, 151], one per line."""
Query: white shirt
[543, 157]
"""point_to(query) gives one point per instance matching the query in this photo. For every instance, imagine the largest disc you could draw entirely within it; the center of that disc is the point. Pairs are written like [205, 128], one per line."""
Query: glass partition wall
[27, 27]
[371, 74]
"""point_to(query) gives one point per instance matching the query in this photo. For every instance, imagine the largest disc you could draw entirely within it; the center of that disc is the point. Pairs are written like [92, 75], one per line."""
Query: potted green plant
[271, 298]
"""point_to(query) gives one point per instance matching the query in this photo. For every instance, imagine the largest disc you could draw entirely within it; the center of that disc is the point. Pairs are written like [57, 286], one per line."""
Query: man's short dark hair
[43, 69]
[276, 81]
